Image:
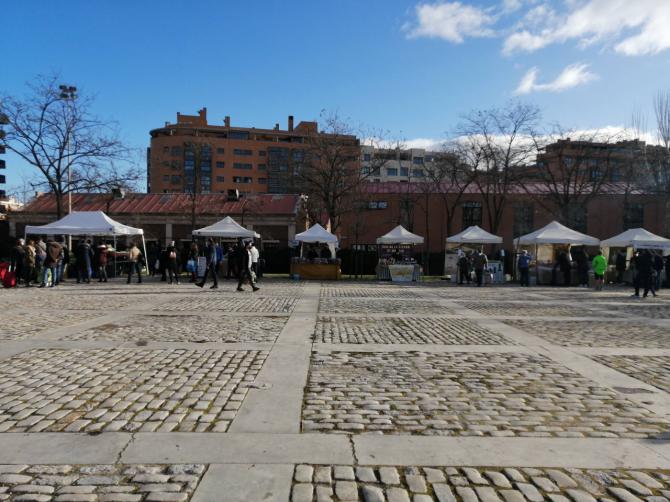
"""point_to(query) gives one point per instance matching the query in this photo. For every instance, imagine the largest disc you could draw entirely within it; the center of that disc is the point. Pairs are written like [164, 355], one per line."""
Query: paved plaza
[338, 391]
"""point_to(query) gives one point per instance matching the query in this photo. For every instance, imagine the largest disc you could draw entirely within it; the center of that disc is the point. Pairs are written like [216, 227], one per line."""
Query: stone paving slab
[471, 484]
[371, 292]
[654, 370]
[503, 394]
[596, 333]
[535, 309]
[124, 389]
[212, 302]
[186, 328]
[409, 330]
[17, 326]
[641, 309]
[104, 483]
[379, 305]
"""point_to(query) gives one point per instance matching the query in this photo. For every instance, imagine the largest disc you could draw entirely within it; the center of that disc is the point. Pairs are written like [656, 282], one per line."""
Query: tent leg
[537, 268]
[144, 248]
[114, 256]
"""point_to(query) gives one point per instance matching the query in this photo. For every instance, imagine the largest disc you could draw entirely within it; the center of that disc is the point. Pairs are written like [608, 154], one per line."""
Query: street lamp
[68, 93]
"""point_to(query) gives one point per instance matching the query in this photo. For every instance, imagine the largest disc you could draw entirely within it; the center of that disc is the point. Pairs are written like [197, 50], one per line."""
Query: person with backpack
[172, 265]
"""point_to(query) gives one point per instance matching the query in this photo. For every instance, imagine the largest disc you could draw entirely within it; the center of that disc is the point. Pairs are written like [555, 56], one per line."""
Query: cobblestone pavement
[124, 389]
[597, 333]
[472, 484]
[92, 483]
[383, 306]
[526, 309]
[379, 292]
[223, 303]
[17, 326]
[429, 330]
[655, 311]
[464, 394]
[187, 328]
[654, 370]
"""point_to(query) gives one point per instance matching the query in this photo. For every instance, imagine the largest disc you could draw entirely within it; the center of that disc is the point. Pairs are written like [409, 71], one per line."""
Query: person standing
[230, 261]
[172, 264]
[582, 260]
[658, 269]
[40, 257]
[254, 259]
[51, 263]
[84, 254]
[565, 267]
[480, 262]
[620, 266]
[644, 268]
[523, 264]
[17, 261]
[29, 263]
[193, 254]
[463, 269]
[103, 259]
[245, 269]
[599, 265]
[210, 257]
[134, 263]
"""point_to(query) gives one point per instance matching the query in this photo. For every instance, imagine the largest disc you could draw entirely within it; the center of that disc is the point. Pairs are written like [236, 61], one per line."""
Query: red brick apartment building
[194, 156]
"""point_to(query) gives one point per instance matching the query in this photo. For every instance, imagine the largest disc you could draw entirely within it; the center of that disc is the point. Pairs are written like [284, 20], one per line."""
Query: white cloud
[451, 21]
[571, 76]
[634, 27]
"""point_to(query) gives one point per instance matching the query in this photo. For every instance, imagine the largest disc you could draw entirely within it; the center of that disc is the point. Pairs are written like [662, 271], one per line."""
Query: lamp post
[68, 93]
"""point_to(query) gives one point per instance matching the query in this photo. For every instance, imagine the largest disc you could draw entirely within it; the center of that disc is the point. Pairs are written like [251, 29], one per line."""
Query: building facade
[194, 156]
[381, 165]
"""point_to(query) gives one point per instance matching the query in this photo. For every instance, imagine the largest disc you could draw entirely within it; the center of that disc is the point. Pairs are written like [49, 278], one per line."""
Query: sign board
[202, 266]
[401, 273]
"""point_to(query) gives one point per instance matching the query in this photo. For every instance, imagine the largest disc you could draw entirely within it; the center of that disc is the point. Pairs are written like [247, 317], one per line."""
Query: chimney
[276, 127]
[226, 121]
[290, 123]
[203, 113]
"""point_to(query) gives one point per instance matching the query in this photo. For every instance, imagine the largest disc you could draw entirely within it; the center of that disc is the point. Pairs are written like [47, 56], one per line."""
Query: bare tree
[58, 136]
[658, 158]
[496, 144]
[197, 173]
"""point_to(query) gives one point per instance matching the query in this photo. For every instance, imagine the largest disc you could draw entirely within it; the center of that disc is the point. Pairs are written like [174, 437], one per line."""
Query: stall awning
[555, 233]
[474, 235]
[637, 238]
[316, 233]
[227, 228]
[84, 223]
[399, 235]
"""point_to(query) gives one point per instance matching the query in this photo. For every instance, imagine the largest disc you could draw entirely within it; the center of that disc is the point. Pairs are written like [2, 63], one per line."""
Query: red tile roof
[143, 203]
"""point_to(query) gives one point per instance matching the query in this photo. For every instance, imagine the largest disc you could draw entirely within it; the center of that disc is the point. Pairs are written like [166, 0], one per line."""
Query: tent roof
[226, 227]
[84, 223]
[475, 235]
[316, 233]
[637, 238]
[555, 233]
[399, 235]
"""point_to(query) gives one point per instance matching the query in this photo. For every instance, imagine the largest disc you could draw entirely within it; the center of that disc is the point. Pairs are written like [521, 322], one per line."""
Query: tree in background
[54, 130]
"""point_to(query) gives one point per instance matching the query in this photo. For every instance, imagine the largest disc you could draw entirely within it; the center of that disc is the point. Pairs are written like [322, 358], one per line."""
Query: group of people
[244, 260]
[475, 261]
[648, 268]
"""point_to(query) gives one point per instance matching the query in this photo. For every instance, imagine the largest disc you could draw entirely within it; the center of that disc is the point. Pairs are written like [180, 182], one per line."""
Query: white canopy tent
[637, 238]
[227, 228]
[555, 233]
[93, 223]
[474, 235]
[399, 235]
[316, 233]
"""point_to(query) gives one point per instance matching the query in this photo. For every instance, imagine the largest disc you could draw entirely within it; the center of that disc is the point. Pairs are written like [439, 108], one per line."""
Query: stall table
[399, 272]
[323, 271]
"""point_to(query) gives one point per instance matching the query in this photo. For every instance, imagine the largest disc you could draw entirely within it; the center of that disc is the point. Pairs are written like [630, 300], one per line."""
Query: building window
[238, 135]
[166, 149]
[418, 160]
[404, 171]
[367, 157]
[262, 167]
[239, 165]
[175, 151]
[242, 179]
[633, 215]
[377, 204]
[417, 173]
[577, 217]
[263, 181]
[472, 214]
[241, 152]
[262, 153]
[523, 219]
[391, 171]
[220, 151]
[176, 179]
[298, 155]
[220, 179]
[220, 164]
[166, 178]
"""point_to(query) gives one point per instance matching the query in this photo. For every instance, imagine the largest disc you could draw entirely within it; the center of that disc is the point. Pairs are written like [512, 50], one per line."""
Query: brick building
[193, 156]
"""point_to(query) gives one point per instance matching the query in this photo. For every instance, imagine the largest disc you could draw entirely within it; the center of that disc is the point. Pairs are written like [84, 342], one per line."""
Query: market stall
[395, 261]
[313, 262]
[547, 243]
[227, 228]
[88, 223]
[471, 238]
[631, 240]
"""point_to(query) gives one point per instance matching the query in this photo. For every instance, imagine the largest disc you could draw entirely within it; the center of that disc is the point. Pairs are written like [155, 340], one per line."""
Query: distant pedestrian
[84, 255]
[246, 273]
[658, 270]
[192, 263]
[230, 261]
[51, 264]
[480, 262]
[463, 265]
[523, 264]
[17, 261]
[582, 259]
[210, 256]
[255, 255]
[29, 263]
[134, 263]
[103, 259]
[65, 260]
[644, 268]
[599, 265]
[172, 264]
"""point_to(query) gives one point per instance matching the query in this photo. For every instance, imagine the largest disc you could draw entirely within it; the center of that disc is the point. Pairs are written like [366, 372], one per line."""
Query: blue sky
[408, 67]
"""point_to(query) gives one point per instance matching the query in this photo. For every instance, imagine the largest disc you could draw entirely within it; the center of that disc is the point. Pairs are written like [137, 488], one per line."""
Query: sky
[410, 68]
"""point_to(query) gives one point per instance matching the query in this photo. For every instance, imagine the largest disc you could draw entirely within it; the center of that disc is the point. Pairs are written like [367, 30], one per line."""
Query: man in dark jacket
[620, 266]
[245, 269]
[658, 269]
[210, 256]
[84, 255]
[172, 263]
[51, 260]
[463, 269]
[644, 268]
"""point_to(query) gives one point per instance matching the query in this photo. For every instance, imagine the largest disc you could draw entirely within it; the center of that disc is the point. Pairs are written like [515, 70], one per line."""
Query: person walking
[84, 255]
[29, 263]
[480, 262]
[620, 265]
[658, 269]
[463, 268]
[599, 265]
[255, 255]
[103, 259]
[644, 267]
[246, 272]
[523, 264]
[172, 264]
[582, 260]
[17, 261]
[51, 263]
[210, 256]
[230, 259]
[65, 260]
[134, 263]
[193, 254]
